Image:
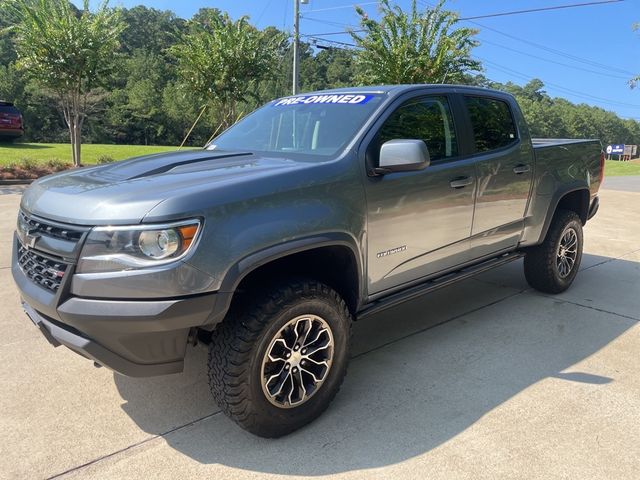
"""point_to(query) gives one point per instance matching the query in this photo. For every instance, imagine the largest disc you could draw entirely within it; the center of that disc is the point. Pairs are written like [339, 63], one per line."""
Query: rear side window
[493, 126]
[428, 119]
[9, 109]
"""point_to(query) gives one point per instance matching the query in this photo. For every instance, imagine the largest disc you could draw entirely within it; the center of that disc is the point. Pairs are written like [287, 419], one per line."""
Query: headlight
[111, 249]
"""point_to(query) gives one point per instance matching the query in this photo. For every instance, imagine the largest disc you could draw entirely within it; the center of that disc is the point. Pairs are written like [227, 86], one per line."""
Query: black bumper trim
[58, 335]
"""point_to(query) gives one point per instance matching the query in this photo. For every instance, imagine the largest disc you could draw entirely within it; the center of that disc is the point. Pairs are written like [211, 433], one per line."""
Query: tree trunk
[78, 143]
[73, 111]
[75, 127]
[72, 141]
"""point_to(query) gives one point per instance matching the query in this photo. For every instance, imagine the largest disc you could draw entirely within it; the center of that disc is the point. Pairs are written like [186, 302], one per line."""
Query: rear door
[419, 222]
[504, 162]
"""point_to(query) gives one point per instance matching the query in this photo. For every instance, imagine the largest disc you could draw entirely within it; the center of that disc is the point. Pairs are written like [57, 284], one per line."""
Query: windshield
[305, 124]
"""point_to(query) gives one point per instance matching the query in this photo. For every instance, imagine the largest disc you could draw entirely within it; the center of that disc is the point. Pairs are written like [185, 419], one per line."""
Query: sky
[585, 54]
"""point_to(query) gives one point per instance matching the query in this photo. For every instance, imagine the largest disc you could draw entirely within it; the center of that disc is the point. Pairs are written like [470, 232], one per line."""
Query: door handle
[520, 169]
[461, 182]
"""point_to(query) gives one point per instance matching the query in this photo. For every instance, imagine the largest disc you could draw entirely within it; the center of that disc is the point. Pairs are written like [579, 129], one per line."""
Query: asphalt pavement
[623, 184]
[484, 379]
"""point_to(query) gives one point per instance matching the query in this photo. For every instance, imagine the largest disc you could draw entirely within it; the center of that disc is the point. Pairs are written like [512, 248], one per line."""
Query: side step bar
[435, 284]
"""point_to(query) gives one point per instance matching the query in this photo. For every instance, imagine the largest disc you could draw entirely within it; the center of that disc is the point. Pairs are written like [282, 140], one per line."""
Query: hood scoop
[187, 161]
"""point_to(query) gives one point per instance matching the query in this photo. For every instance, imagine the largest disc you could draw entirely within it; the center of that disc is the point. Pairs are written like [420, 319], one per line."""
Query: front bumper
[135, 345]
[11, 132]
[136, 338]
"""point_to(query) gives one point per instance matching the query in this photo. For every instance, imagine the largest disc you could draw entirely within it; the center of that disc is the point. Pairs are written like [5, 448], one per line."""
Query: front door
[419, 222]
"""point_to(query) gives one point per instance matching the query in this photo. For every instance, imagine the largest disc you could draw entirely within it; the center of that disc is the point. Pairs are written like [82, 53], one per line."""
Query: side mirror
[403, 156]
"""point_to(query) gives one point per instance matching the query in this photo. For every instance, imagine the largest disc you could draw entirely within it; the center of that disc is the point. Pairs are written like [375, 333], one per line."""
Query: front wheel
[552, 266]
[276, 364]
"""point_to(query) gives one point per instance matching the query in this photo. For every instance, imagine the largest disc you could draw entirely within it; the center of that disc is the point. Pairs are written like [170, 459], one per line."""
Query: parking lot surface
[485, 379]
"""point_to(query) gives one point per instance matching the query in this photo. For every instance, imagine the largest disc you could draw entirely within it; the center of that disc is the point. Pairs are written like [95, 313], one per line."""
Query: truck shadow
[421, 374]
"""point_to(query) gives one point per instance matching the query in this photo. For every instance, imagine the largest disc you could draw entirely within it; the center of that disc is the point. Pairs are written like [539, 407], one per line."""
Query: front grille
[40, 227]
[41, 270]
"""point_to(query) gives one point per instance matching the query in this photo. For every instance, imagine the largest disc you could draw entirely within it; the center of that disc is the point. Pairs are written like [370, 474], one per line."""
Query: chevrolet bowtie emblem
[30, 240]
[28, 237]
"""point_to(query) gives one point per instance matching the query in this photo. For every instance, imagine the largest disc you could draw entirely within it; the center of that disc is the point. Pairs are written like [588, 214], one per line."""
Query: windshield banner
[351, 99]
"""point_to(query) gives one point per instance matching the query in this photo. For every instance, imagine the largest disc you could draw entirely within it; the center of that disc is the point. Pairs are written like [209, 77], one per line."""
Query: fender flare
[555, 201]
[239, 270]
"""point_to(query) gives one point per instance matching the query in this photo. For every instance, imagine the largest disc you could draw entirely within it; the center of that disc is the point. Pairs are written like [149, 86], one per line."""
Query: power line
[335, 42]
[575, 67]
[543, 9]
[491, 15]
[556, 86]
[284, 17]
[317, 37]
[560, 53]
[264, 10]
[543, 47]
[314, 10]
[557, 52]
[327, 22]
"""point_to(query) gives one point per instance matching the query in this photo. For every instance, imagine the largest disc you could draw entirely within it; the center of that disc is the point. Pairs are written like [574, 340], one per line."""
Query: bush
[56, 164]
[102, 159]
[27, 163]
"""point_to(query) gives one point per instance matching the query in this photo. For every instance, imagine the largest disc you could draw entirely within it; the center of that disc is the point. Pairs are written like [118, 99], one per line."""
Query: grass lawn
[11, 153]
[614, 168]
[43, 152]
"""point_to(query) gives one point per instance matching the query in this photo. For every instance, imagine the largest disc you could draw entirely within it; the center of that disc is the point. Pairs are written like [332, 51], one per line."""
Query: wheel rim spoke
[317, 336]
[297, 361]
[317, 349]
[310, 373]
[298, 388]
[278, 343]
[567, 252]
[303, 327]
[279, 385]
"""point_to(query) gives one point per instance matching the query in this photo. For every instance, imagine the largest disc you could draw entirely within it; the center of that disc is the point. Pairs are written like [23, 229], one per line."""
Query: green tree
[68, 53]
[7, 52]
[414, 46]
[150, 30]
[222, 61]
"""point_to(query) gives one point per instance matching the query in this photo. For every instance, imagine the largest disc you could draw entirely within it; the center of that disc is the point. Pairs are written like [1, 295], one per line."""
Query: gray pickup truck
[313, 211]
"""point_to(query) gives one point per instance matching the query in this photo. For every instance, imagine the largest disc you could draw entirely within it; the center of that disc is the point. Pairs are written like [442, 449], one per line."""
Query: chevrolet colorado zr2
[312, 212]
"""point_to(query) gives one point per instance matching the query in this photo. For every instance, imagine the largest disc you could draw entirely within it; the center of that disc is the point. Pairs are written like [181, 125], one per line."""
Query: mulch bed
[21, 173]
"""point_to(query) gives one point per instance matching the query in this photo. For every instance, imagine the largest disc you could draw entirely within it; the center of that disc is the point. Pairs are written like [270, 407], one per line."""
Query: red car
[10, 121]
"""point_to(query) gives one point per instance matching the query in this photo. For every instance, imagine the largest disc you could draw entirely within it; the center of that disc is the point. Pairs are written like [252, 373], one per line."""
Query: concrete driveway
[485, 379]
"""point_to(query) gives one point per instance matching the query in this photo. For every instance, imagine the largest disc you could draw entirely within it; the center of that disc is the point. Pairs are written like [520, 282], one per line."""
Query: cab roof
[397, 89]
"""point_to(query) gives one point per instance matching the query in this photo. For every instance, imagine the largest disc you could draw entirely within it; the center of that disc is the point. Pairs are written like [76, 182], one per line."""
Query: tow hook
[192, 339]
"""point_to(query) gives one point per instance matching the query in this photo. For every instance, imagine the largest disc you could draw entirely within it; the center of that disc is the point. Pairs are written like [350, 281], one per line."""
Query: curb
[16, 182]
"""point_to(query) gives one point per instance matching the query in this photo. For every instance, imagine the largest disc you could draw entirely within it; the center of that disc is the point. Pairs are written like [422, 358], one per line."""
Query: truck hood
[124, 192]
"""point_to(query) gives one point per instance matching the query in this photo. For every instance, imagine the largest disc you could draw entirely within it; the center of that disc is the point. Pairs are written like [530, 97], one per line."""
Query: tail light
[601, 167]
[13, 120]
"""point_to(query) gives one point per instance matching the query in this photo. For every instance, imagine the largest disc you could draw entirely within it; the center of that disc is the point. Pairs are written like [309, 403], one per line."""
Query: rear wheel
[276, 364]
[552, 266]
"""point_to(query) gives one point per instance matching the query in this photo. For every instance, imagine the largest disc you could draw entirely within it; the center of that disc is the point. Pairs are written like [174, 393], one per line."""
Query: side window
[428, 119]
[492, 123]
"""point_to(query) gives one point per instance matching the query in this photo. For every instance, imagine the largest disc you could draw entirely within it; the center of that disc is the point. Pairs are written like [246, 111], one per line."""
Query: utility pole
[296, 41]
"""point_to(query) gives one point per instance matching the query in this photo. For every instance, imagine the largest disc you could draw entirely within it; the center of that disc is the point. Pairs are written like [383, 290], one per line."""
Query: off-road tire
[541, 262]
[239, 343]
